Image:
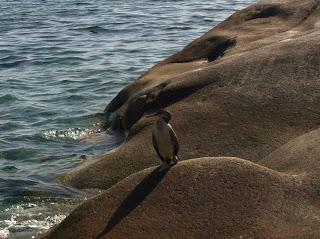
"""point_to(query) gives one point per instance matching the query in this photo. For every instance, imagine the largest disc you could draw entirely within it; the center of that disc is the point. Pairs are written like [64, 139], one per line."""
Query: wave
[18, 153]
[179, 28]
[12, 64]
[9, 126]
[11, 61]
[97, 29]
[9, 169]
[31, 225]
[75, 97]
[28, 219]
[7, 98]
[71, 60]
[70, 133]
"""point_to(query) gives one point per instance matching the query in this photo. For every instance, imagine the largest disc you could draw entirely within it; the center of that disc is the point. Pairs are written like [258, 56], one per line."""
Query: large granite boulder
[244, 89]
[300, 156]
[249, 85]
[200, 198]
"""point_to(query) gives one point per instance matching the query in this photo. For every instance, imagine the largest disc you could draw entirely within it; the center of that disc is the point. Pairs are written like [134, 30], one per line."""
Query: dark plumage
[164, 139]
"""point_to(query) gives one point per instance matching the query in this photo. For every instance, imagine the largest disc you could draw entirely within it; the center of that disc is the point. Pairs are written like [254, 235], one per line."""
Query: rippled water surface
[62, 61]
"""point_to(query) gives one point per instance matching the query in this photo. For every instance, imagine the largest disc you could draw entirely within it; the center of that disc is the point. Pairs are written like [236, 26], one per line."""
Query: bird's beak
[151, 115]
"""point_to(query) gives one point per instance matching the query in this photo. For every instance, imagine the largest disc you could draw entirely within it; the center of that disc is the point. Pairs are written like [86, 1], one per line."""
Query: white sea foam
[14, 224]
[4, 233]
[30, 218]
[70, 133]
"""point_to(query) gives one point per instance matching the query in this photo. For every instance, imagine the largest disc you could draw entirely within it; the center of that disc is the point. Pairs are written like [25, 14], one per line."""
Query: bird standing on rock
[164, 139]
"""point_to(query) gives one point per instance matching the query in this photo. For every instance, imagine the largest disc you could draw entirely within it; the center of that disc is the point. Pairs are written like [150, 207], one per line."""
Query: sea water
[61, 62]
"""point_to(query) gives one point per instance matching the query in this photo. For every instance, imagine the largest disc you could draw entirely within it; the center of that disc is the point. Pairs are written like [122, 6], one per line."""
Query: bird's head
[162, 115]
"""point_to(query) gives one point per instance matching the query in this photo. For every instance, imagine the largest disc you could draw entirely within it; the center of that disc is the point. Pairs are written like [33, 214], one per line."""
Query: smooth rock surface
[199, 198]
[300, 156]
[246, 87]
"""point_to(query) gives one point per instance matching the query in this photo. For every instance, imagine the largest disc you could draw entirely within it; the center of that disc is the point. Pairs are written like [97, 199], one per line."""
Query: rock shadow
[135, 198]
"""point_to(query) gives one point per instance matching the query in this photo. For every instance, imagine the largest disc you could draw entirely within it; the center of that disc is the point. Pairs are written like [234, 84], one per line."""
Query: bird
[164, 139]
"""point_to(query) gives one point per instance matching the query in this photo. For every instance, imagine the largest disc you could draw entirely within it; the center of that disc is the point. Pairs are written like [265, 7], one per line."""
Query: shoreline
[246, 101]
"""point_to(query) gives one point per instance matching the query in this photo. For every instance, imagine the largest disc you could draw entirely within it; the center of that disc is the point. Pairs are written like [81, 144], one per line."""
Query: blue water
[61, 62]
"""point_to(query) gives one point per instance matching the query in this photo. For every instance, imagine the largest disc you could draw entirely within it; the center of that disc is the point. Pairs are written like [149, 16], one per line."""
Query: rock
[243, 89]
[199, 198]
[300, 156]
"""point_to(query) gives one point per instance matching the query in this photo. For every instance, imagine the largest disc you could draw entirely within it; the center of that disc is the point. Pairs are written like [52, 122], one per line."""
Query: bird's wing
[154, 142]
[174, 140]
